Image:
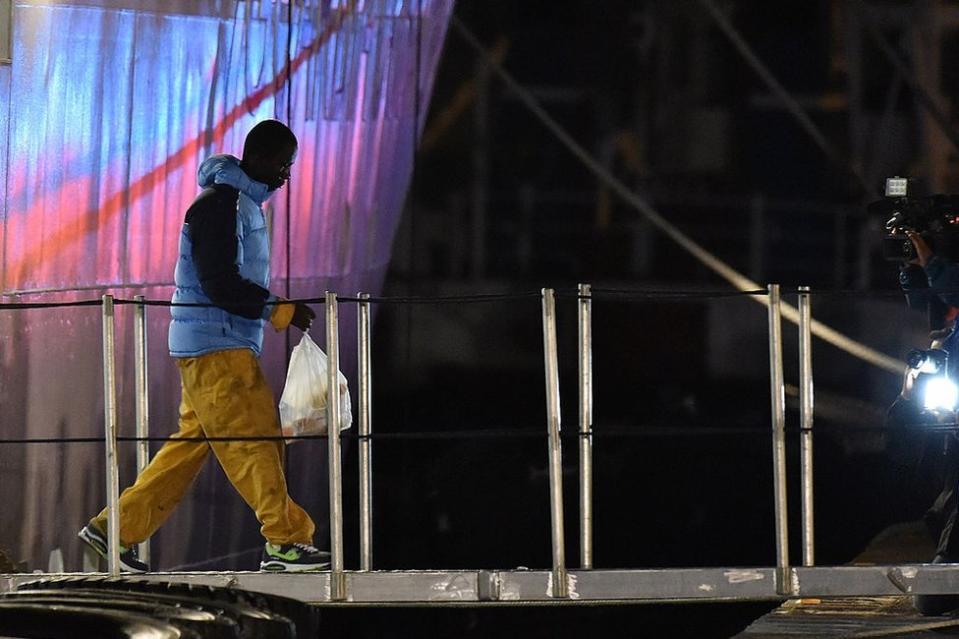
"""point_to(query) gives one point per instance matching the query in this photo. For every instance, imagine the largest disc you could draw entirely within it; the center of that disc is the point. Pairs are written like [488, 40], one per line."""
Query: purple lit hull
[105, 113]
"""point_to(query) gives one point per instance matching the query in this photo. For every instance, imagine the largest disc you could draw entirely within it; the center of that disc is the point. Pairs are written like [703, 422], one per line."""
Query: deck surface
[891, 616]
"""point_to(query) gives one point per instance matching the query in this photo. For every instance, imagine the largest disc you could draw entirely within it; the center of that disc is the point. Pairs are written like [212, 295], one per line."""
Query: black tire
[305, 618]
[208, 624]
[299, 619]
[36, 621]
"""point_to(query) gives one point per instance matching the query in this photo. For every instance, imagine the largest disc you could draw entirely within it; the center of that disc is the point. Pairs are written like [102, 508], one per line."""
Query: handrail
[365, 427]
[585, 310]
[561, 580]
[110, 428]
[142, 377]
[777, 392]
[806, 424]
[560, 588]
[337, 579]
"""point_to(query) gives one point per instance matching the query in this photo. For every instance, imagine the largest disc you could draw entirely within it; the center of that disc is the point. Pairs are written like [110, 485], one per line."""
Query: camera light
[897, 187]
[940, 394]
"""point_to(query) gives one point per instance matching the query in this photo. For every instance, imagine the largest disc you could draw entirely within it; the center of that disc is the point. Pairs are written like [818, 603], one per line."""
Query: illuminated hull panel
[105, 114]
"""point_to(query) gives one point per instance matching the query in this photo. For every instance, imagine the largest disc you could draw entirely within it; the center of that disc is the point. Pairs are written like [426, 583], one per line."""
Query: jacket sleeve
[914, 282]
[212, 228]
[944, 275]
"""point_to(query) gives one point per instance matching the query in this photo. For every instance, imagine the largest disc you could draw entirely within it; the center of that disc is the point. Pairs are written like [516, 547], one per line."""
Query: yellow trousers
[224, 395]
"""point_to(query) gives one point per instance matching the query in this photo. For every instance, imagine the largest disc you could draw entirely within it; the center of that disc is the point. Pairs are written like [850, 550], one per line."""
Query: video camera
[935, 218]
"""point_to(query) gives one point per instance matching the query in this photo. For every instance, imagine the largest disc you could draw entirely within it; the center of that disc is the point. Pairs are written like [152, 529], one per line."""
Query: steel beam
[534, 587]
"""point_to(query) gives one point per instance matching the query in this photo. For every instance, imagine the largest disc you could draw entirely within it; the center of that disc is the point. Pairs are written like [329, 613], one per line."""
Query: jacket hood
[225, 169]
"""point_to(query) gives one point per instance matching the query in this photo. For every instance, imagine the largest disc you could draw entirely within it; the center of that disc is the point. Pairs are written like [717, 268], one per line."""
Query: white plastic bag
[303, 403]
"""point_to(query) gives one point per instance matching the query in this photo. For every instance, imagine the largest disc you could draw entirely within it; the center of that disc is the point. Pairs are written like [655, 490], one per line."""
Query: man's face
[273, 170]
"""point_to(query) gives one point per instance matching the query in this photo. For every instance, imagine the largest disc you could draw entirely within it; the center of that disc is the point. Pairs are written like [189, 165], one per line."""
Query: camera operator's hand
[302, 317]
[923, 252]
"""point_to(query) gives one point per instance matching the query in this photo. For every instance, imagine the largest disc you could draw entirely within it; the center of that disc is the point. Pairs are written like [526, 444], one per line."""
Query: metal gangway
[562, 583]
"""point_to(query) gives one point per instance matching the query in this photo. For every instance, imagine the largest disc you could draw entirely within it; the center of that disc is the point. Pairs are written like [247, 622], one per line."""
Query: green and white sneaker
[293, 558]
[129, 561]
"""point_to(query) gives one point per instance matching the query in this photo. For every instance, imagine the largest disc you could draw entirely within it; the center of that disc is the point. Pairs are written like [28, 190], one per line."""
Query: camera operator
[929, 270]
[919, 278]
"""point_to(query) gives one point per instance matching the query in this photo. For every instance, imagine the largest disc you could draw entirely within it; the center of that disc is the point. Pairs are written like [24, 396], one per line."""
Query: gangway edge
[511, 587]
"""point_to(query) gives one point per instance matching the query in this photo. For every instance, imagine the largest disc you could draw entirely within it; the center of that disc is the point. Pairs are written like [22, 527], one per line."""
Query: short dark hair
[267, 138]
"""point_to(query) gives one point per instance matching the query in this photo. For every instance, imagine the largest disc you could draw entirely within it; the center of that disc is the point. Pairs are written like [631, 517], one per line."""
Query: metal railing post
[364, 401]
[110, 427]
[337, 578]
[778, 400]
[585, 426]
[560, 588]
[806, 422]
[142, 399]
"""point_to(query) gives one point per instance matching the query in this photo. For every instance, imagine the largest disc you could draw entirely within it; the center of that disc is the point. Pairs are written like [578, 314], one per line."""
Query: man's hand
[923, 252]
[302, 317]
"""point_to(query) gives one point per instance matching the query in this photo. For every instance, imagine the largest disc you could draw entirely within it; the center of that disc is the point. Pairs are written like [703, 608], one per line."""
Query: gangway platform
[562, 584]
[511, 587]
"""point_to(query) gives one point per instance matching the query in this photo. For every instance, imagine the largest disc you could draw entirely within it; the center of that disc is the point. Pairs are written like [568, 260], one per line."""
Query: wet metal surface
[850, 617]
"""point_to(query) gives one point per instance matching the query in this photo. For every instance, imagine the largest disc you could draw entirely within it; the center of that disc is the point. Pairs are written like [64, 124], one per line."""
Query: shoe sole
[279, 566]
[100, 549]
[93, 542]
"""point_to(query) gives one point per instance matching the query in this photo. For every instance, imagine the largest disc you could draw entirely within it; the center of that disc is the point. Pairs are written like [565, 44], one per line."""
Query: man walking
[224, 262]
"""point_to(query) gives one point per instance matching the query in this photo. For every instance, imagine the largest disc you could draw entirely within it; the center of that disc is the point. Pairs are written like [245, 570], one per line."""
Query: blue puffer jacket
[225, 261]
